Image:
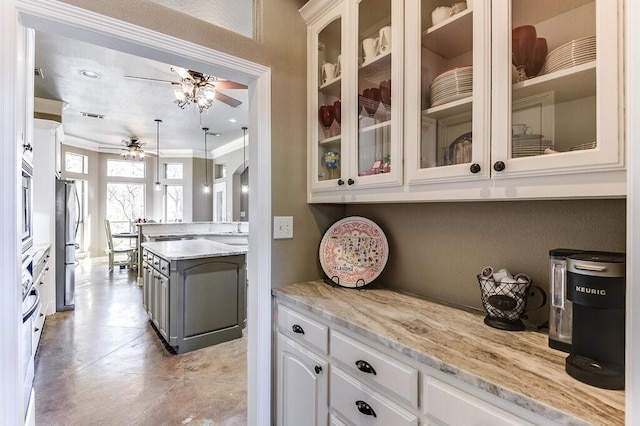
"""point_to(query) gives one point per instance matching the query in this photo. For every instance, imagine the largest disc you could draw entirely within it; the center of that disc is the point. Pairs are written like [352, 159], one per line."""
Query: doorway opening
[63, 19]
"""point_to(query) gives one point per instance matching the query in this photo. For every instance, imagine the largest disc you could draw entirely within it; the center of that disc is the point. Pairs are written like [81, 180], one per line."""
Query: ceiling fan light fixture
[180, 95]
[133, 150]
[195, 88]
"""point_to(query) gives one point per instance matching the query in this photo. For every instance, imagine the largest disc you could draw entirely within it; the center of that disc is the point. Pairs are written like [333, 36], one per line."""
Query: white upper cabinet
[562, 112]
[448, 81]
[355, 61]
[493, 99]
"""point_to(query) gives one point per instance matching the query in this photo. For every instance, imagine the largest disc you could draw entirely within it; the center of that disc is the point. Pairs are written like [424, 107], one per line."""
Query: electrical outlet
[282, 227]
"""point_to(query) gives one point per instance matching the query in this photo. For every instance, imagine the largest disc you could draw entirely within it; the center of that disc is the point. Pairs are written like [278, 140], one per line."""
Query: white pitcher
[370, 47]
[328, 72]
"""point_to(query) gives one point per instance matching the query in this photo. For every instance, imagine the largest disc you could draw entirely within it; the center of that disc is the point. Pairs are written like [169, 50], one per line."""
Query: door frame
[71, 21]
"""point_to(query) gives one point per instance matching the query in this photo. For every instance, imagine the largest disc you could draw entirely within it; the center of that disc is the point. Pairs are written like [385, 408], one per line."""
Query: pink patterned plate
[353, 252]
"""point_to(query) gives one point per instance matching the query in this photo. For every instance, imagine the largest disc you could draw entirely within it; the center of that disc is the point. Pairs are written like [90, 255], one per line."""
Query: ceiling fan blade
[232, 102]
[134, 77]
[181, 72]
[227, 84]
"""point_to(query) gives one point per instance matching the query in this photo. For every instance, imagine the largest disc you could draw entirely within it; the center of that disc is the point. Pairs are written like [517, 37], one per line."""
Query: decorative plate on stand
[353, 252]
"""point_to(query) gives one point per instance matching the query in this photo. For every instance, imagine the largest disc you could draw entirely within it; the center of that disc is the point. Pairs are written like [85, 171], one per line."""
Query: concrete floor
[104, 364]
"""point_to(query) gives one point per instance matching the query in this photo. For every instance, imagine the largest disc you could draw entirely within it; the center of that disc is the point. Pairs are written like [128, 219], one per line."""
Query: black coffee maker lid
[599, 256]
[604, 264]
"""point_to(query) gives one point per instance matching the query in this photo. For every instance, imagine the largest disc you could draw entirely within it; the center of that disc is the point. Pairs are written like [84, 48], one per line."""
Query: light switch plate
[282, 227]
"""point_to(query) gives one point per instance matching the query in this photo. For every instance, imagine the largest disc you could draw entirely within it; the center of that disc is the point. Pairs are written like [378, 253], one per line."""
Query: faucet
[239, 227]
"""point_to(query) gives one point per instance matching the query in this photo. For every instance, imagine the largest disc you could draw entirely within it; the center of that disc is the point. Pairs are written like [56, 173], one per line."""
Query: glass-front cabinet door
[377, 152]
[556, 74]
[325, 116]
[448, 90]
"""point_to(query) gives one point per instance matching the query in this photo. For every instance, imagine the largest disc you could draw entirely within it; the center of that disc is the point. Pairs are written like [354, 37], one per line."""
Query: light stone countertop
[516, 366]
[195, 234]
[192, 249]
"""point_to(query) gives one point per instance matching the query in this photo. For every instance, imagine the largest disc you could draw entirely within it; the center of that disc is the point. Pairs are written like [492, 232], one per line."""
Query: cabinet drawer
[146, 256]
[362, 405]
[370, 364]
[37, 324]
[303, 329]
[163, 267]
[456, 407]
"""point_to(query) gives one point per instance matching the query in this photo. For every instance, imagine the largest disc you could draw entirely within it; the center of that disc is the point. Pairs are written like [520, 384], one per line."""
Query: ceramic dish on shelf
[451, 99]
[451, 85]
[582, 146]
[353, 252]
[575, 52]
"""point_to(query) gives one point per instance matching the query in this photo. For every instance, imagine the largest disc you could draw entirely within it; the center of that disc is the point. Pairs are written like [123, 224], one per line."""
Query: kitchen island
[449, 360]
[195, 291]
[232, 233]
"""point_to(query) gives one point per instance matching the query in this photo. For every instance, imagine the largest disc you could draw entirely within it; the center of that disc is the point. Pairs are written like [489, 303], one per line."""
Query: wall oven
[27, 205]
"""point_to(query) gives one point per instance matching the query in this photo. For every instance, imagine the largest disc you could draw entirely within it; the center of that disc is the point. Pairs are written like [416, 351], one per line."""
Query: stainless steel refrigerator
[67, 211]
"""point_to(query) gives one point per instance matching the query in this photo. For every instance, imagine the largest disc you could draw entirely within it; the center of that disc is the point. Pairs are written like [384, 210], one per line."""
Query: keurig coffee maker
[596, 287]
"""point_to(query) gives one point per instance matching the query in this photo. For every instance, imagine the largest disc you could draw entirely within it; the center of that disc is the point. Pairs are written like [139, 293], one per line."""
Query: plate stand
[335, 282]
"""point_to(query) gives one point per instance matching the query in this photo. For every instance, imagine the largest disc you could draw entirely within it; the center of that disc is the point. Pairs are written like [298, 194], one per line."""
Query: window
[128, 169]
[173, 171]
[125, 204]
[76, 163]
[220, 171]
[173, 203]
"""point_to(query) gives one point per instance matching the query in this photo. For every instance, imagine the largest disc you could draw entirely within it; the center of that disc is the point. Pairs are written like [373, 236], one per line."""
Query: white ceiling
[130, 106]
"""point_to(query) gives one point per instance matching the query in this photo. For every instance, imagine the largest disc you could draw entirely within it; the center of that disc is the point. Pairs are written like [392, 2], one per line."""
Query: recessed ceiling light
[89, 74]
[232, 120]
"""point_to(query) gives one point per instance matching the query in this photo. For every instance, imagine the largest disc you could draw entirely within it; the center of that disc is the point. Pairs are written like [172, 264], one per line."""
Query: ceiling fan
[131, 149]
[198, 88]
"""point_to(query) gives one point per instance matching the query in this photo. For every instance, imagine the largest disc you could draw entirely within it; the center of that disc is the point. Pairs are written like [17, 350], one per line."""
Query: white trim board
[70, 21]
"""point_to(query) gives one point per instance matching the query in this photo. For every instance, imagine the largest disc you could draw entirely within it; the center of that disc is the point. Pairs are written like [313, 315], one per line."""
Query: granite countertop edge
[179, 250]
[196, 234]
[501, 391]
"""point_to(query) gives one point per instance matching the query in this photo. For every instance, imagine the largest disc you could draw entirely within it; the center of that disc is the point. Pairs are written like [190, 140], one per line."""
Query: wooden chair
[130, 252]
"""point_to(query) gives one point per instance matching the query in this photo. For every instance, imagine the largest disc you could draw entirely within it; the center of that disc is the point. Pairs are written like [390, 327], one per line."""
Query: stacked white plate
[451, 85]
[576, 52]
[589, 145]
[529, 145]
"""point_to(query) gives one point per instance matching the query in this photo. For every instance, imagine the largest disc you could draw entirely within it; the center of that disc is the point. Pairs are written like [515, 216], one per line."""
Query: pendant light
[158, 186]
[206, 187]
[245, 185]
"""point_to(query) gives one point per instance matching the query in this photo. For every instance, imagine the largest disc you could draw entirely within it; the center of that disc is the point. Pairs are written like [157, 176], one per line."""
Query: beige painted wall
[436, 250]
[283, 48]
[202, 203]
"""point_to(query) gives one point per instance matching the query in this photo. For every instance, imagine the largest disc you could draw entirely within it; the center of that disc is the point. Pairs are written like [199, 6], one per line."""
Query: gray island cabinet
[195, 291]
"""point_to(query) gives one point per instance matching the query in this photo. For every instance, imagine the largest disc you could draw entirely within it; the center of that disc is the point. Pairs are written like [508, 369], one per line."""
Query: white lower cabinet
[362, 405]
[329, 375]
[450, 406]
[302, 385]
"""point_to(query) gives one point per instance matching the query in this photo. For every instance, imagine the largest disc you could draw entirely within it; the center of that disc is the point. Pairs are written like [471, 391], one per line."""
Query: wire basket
[504, 301]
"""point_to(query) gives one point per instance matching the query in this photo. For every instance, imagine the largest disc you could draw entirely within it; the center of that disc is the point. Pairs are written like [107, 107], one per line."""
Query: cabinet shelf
[451, 37]
[568, 84]
[330, 141]
[379, 64]
[375, 126]
[451, 108]
[331, 88]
